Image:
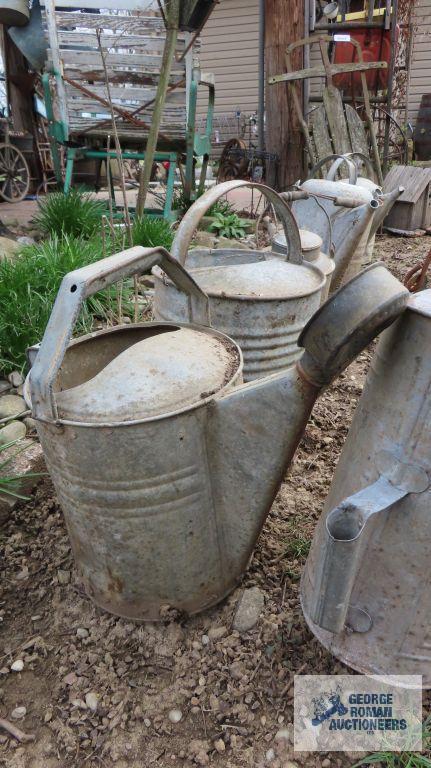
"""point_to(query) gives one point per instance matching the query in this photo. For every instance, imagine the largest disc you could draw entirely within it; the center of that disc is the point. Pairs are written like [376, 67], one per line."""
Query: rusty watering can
[261, 302]
[165, 465]
[366, 591]
[311, 247]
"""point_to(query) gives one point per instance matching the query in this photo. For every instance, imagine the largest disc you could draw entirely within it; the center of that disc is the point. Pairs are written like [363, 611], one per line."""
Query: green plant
[403, 759]
[10, 485]
[182, 204]
[29, 285]
[152, 231]
[229, 225]
[75, 213]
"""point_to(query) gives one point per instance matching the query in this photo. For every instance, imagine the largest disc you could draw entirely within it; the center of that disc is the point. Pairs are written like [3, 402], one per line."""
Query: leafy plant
[151, 231]
[28, 288]
[182, 203]
[10, 485]
[403, 759]
[229, 225]
[75, 213]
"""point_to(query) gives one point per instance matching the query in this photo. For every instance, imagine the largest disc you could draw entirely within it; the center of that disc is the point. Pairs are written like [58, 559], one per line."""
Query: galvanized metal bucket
[14, 13]
[366, 588]
[261, 302]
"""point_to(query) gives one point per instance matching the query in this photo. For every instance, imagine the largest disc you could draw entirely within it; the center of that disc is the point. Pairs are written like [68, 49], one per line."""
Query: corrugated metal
[420, 68]
[229, 49]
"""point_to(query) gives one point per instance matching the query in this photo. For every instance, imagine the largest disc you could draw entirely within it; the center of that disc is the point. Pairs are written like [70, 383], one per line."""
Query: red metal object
[376, 46]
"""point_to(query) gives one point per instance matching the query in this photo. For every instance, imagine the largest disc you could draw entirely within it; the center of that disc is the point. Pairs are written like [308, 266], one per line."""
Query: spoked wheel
[233, 164]
[14, 174]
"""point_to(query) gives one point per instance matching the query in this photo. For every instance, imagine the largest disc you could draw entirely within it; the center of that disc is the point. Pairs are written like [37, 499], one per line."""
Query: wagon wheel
[14, 174]
[232, 164]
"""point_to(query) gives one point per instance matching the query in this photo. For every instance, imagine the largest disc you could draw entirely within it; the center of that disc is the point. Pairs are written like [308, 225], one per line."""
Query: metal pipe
[261, 95]
[390, 86]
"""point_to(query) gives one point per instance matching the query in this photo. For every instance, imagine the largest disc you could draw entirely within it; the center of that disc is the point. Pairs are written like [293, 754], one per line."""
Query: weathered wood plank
[357, 132]
[135, 61]
[137, 24]
[126, 95]
[336, 69]
[120, 75]
[120, 5]
[320, 136]
[79, 38]
[336, 120]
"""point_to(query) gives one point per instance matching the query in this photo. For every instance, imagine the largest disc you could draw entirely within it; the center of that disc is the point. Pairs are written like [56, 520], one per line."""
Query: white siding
[229, 49]
[420, 67]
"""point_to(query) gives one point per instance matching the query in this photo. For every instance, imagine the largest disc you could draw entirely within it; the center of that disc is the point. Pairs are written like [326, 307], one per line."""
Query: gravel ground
[101, 691]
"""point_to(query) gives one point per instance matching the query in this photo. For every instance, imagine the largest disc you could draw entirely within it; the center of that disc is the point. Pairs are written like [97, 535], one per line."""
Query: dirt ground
[234, 692]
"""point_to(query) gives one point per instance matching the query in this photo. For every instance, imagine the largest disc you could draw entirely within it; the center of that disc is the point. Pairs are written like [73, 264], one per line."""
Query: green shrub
[229, 225]
[151, 231]
[182, 204]
[28, 288]
[76, 213]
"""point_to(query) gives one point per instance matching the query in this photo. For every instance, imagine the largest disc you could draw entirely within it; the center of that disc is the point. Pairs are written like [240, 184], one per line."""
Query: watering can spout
[386, 203]
[254, 430]
[356, 222]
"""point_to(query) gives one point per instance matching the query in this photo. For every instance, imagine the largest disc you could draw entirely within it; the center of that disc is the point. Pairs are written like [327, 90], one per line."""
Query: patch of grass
[403, 759]
[10, 485]
[151, 231]
[29, 285]
[76, 213]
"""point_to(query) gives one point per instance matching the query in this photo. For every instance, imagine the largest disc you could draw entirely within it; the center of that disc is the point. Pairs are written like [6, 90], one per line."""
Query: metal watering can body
[311, 246]
[261, 303]
[153, 443]
[366, 591]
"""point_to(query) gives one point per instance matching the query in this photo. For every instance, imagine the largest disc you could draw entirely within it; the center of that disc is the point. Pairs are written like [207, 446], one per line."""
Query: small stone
[326, 763]
[5, 386]
[220, 746]
[205, 639]
[283, 735]
[250, 606]
[216, 633]
[8, 248]
[82, 632]
[4, 671]
[15, 430]
[270, 755]
[11, 405]
[63, 577]
[70, 679]
[36, 617]
[92, 701]
[15, 378]
[48, 715]
[175, 715]
[30, 424]
[17, 665]
[25, 240]
[147, 722]
[18, 713]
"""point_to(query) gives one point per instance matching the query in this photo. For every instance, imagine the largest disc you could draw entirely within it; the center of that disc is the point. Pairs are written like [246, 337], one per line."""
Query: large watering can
[366, 590]
[165, 465]
[261, 302]
[311, 247]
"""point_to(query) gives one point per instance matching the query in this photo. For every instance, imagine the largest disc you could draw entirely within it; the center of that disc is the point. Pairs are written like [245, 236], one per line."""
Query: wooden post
[284, 24]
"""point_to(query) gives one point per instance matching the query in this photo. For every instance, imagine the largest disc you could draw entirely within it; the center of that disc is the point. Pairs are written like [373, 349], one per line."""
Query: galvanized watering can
[311, 247]
[166, 465]
[366, 588]
[261, 302]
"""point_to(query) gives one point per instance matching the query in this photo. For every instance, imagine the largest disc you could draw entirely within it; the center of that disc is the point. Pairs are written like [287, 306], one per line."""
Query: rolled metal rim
[194, 272]
[159, 417]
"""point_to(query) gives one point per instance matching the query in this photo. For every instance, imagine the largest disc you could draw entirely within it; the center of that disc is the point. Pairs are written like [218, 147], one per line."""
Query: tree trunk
[284, 24]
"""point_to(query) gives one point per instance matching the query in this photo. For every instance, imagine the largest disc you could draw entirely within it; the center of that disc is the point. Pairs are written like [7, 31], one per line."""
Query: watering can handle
[193, 216]
[351, 167]
[78, 286]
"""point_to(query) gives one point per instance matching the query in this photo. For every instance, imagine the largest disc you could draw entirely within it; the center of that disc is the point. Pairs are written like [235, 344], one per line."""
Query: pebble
[18, 713]
[63, 577]
[205, 639]
[26, 240]
[147, 722]
[4, 386]
[216, 633]
[15, 430]
[82, 632]
[30, 424]
[326, 763]
[11, 405]
[250, 606]
[270, 755]
[175, 715]
[70, 679]
[283, 735]
[15, 379]
[220, 746]
[17, 665]
[92, 701]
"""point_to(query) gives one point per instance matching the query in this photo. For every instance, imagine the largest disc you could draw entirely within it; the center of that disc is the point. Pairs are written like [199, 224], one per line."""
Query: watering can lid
[274, 279]
[309, 241]
[157, 375]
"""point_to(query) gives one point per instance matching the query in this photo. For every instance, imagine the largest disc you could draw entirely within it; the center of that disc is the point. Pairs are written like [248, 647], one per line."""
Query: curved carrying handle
[193, 216]
[351, 167]
[78, 286]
